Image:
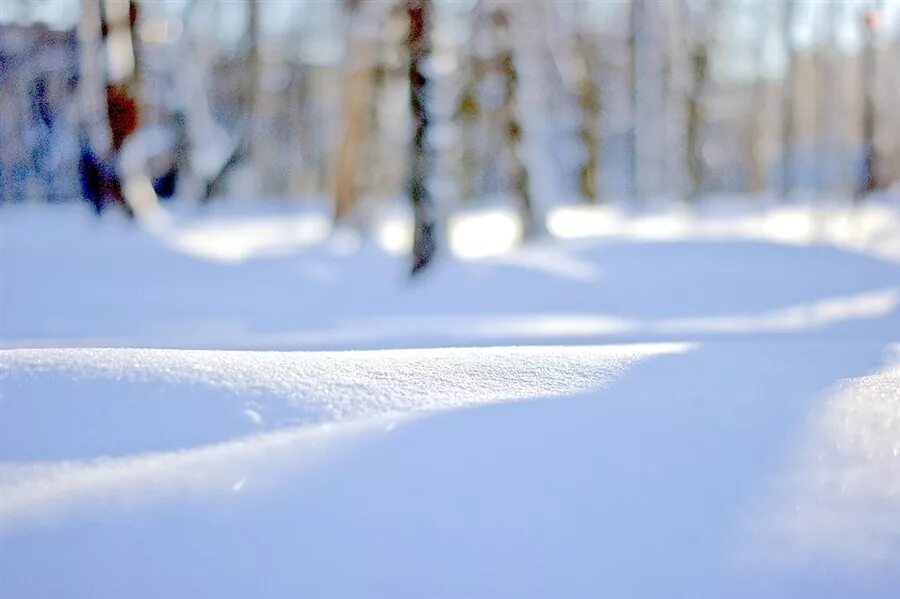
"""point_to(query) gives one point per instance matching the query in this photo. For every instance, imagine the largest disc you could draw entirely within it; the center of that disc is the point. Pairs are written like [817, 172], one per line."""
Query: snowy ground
[665, 404]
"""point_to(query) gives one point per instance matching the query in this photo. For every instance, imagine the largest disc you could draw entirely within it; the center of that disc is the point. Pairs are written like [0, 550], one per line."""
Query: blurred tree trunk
[788, 125]
[647, 98]
[418, 44]
[120, 19]
[756, 109]
[869, 177]
[700, 35]
[467, 114]
[92, 79]
[829, 120]
[354, 109]
[135, 186]
[468, 111]
[372, 150]
[696, 118]
[672, 109]
[109, 97]
[824, 80]
[95, 168]
[383, 73]
[252, 92]
[890, 157]
[590, 106]
[635, 23]
[250, 138]
[511, 123]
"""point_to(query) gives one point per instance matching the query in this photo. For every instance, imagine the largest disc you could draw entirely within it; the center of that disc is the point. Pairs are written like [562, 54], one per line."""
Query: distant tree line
[591, 101]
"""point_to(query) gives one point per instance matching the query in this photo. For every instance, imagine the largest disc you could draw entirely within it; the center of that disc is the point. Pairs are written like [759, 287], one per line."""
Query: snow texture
[240, 392]
[698, 405]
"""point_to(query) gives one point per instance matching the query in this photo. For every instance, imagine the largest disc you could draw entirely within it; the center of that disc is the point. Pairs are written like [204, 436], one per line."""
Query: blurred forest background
[448, 103]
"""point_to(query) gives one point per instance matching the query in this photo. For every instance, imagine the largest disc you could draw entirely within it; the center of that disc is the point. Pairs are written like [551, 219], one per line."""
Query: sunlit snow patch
[230, 240]
[470, 234]
[870, 228]
[587, 327]
[486, 233]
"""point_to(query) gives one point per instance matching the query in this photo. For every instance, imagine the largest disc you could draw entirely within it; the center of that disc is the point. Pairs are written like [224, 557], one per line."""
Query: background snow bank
[69, 280]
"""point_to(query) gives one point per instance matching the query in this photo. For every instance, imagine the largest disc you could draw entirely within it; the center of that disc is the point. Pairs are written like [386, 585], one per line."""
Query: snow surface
[699, 405]
[252, 391]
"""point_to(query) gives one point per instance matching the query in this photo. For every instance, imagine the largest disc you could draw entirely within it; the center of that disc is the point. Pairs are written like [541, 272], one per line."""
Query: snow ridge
[133, 424]
[337, 386]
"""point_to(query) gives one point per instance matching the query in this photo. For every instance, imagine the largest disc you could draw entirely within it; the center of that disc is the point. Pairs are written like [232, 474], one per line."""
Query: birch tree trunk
[93, 115]
[696, 117]
[635, 22]
[756, 113]
[589, 104]
[511, 122]
[788, 126]
[354, 110]
[468, 114]
[701, 33]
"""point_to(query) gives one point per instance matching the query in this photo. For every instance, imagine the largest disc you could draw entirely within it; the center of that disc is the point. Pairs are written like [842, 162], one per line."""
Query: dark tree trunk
[102, 21]
[419, 45]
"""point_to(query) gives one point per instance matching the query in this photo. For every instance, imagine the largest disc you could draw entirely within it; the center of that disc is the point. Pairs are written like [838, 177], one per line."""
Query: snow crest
[335, 386]
[102, 424]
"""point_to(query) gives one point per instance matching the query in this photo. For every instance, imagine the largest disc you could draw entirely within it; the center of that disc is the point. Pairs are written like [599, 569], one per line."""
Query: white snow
[843, 486]
[237, 390]
[292, 389]
[700, 405]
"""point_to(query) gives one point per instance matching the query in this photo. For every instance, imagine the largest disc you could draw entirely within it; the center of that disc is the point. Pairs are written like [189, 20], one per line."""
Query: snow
[127, 387]
[844, 483]
[279, 391]
[244, 403]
